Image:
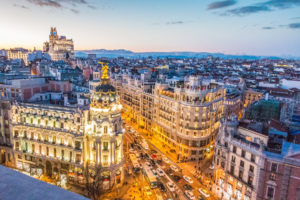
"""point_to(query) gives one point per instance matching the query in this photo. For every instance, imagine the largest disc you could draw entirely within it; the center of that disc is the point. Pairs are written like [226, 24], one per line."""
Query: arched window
[116, 127]
[105, 129]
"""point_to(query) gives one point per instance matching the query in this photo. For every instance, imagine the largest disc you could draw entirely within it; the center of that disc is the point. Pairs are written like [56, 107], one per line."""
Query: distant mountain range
[180, 54]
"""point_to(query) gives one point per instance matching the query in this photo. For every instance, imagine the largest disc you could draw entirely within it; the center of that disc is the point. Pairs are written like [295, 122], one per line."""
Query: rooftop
[17, 186]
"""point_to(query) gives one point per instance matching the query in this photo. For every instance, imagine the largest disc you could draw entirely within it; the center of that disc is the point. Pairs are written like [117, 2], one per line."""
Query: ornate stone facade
[59, 47]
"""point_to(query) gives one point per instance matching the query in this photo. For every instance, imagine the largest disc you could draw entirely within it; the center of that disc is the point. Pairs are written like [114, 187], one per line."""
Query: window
[33, 148]
[78, 119]
[250, 180]
[105, 129]
[252, 158]
[46, 138]
[116, 127]
[54, 152]
[270, 192]
[40, 149]
[105, 146]
[243, 153]
[54, 139]
[273, 176]
[241, 173]
[232, 169]
[47, 151]
[233, 159]
[234, 149]
[274, 167]
[77, 145]
[61, 125]
[251, 169]
[242, 163]
[17, 146]
[70, 156]
[62, 154]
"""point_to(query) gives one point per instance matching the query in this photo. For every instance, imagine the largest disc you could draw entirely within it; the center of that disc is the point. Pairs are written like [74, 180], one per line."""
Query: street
[133, 139]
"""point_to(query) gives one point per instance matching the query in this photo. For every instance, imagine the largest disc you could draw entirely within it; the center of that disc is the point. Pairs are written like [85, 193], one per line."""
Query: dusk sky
[265, 27]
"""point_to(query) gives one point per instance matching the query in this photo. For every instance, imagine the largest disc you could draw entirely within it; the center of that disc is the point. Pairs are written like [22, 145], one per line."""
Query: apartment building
[18, 53]
[253, 161]
[183, 116]
[238, 158]
[251, 96]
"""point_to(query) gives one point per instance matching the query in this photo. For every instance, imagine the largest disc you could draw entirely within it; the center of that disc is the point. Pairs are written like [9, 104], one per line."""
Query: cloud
[20, 6]
[268, 27]
[174, 22]
[221, 4]
[295, 18]
[294, 25]
[270, 5]
[247, 10]
[62, 4]
[74, 11]
[49, 3]
[92, 7]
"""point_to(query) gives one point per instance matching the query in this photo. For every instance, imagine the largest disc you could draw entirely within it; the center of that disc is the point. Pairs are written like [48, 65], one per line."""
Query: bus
[134, 161]
[150, 176]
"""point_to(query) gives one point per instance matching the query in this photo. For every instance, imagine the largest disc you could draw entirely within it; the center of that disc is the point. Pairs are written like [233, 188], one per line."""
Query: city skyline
[229, 26]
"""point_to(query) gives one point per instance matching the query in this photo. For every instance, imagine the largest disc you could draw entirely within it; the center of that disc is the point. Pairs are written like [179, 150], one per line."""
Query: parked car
[189, 194]
[154, 172]
[165, 159]
[161, 186]
[204, 192]
[160, 172]
[171, 186]
[188, 179]
[176, 178]
[188, 187]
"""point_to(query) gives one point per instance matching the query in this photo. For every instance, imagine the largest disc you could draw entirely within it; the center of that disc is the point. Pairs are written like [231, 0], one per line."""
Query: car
[171, 186]
[168, 171]
[161, 186]
[189, 194]
[152, 162]
[166, 160]
[188, 179]
[160, 172]
[188, 187]
[148, 164]
[147, 191]
[154, 172]
[174, 168]
[176, 178]
[153, 151]
[204, 192]
[131, 150]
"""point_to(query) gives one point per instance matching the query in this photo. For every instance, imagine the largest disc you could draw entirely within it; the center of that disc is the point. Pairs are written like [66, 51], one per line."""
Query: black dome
[105, 88]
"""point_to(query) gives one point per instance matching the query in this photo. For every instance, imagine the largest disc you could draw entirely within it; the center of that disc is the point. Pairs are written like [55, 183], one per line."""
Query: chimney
[66, 102]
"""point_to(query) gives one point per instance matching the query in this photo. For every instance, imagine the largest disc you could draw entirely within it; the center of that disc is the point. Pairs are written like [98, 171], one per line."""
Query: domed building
[104, 132]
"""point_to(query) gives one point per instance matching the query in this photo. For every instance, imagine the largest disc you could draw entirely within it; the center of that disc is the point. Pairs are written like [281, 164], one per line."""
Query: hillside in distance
[180, 54]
